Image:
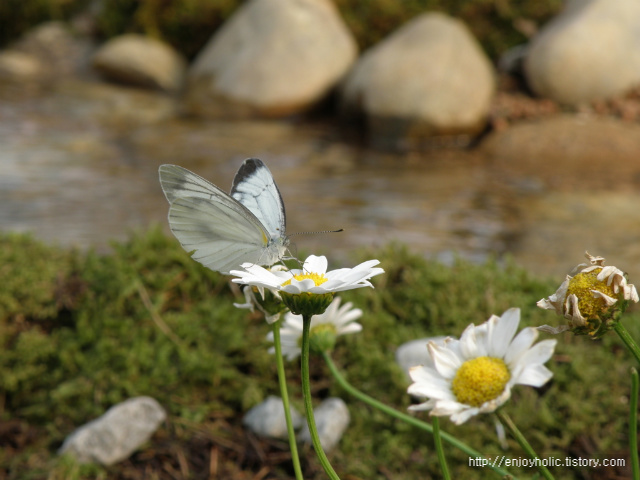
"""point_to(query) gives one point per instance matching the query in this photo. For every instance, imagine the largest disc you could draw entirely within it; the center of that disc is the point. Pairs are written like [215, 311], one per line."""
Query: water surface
[79, 168]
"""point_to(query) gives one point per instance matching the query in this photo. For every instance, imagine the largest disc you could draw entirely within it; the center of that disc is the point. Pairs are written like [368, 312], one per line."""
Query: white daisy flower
[591, 299]
[476, 373]
[313, 280]
[325, 328]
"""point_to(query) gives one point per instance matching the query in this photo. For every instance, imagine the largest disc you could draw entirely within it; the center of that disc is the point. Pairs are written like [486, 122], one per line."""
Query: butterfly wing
[221, 232]
[254, 187]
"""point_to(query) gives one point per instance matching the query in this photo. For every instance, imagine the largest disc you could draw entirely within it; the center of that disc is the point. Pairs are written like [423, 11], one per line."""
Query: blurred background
[473, 129]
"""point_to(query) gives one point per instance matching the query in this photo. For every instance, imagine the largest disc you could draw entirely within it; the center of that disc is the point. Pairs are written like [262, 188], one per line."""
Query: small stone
[267, 419]
[20, 67]
[332, 419]
[141, 61]
[115, 435]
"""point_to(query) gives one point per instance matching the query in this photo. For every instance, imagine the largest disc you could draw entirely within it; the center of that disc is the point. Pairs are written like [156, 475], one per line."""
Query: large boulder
[428, 78]
[141, 61]
[272, 58]
[590, 51]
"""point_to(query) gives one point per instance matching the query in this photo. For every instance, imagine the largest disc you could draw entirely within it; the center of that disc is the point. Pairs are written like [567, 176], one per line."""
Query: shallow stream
[79, 167]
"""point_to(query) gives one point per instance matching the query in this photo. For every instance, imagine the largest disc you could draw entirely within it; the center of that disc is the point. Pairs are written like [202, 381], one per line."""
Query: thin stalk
[633, 425]
[507, 422]
[405, 417]
[437, 439]
[306, 393]
[627, 339]
[285, 401]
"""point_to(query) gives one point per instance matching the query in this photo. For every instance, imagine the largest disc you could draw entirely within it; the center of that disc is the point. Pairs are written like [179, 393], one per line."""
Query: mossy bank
[80, 332]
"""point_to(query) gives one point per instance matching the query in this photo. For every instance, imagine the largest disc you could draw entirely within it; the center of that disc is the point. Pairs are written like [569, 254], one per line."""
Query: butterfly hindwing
[254, 187]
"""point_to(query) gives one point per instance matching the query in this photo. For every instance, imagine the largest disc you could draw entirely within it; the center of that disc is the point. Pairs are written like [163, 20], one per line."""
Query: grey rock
[267, 418]
[272, 58]
[590, 51]
[115, 435]
[18, 67]
[332, 419]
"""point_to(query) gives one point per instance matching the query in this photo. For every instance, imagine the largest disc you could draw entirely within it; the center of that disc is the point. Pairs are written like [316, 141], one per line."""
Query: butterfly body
[224, 231]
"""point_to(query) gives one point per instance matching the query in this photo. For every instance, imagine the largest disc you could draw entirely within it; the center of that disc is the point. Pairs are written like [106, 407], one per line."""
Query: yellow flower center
[581, 286]
[323, 328]
[318, 278]
[479, 380]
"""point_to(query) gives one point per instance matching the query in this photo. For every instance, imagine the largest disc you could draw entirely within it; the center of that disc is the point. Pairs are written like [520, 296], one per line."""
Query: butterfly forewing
[254, 187]
[178, 182]
[221, 232]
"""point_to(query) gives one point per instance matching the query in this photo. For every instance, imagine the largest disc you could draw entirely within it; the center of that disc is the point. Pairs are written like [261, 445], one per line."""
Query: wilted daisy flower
[325, 328]
[266, 301]
[476, 373]
[591, 300]
[309, 290]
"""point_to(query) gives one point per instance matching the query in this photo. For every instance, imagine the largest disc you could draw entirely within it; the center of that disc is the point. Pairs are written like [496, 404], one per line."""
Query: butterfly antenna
[313, 233]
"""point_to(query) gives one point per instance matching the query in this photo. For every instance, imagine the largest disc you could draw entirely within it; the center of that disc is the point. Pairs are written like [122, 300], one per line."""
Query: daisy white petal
[428, 405]
[469, 344]
[445, 361]
[462, 416]
[501, 332]
[297, 285]
[428, 383]
[533, 357]
[316, 264]
[535, 376]
[520, 344]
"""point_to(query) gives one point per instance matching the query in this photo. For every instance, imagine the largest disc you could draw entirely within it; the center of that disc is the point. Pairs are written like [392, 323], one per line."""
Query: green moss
[81, 331]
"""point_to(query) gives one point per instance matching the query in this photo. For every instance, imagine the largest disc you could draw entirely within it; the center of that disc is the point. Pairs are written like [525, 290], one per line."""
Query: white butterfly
[224, 231]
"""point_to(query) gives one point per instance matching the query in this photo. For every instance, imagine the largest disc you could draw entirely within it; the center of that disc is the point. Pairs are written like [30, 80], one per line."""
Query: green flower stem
[285, 401]
[507, 422]
[627, 339]
[440, 451]
[633, 425]
[306, 393]
[405, 417]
